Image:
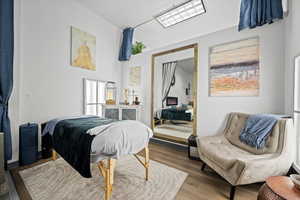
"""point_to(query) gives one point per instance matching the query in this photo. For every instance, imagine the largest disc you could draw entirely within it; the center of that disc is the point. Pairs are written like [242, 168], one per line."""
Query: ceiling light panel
[181, 13]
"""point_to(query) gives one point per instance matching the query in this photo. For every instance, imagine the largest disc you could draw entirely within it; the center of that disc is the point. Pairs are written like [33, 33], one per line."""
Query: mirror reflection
[173, 100]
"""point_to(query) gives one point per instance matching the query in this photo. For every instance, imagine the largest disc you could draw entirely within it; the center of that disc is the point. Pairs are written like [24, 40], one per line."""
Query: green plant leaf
[137, 48]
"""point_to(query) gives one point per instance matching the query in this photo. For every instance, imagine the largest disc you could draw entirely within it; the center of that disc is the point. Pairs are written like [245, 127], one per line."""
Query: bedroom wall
[182, 80]
[158, 75]
[213, 110]
[177, 90]
[292, 49]
[14, 103]
[48, 86]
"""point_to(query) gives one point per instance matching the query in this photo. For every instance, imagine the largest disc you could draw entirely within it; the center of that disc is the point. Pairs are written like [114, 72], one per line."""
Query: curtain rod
[145, 22]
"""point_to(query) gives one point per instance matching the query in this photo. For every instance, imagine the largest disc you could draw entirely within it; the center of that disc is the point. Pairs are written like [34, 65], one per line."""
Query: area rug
[58, 180]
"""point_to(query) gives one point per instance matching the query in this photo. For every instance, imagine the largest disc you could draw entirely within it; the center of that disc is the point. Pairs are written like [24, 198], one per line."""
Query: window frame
[85, 103]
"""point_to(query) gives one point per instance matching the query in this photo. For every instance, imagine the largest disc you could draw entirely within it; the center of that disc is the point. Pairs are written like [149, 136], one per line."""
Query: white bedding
[118, 139]
[112, 140]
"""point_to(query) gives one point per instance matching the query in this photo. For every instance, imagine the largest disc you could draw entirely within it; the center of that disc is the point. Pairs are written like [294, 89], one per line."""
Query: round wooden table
[278, 188]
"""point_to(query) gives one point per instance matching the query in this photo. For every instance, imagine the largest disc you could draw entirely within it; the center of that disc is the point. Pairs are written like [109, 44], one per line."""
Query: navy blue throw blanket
[6, 69]
[255, 13]
[126, 48]
[257, 130]
[71, 141]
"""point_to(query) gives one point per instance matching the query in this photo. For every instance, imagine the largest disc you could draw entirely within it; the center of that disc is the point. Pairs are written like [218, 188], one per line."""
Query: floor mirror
[174, 100]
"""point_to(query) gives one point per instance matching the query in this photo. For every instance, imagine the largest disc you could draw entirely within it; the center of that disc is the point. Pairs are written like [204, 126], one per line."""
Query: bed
[90, 139]
[174, 114]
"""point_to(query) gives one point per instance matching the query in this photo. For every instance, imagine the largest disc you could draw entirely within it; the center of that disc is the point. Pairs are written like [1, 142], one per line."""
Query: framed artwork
[135, 76]
[83, 49]
[234, 68]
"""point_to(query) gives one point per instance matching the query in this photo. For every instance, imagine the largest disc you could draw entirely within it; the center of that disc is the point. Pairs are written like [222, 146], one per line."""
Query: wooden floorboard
[199, 185]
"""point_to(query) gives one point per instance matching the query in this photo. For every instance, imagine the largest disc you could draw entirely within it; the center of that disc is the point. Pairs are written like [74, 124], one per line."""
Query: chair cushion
[223, 154]
[236, 122]
[219, 151]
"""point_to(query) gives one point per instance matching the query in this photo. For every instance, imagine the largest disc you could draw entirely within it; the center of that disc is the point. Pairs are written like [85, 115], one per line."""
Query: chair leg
[203, 167]
[232, 192]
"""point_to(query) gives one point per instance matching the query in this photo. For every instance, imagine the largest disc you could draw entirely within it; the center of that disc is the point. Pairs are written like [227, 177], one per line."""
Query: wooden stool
[278, 188]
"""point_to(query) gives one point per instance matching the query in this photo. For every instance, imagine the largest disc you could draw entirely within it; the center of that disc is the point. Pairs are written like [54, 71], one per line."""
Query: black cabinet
[46, 144]
[192, 148]
[28, 143]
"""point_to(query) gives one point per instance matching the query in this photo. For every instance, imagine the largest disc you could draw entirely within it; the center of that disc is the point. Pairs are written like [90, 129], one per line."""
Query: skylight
[181, 13]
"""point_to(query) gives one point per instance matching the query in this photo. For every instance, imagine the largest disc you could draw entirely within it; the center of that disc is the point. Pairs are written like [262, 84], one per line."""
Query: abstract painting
[135, 76]
[83, 49]
[234, 68]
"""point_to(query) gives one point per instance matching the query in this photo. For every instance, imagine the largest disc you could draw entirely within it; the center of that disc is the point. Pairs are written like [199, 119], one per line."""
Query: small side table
[192, 148]
[278, 188]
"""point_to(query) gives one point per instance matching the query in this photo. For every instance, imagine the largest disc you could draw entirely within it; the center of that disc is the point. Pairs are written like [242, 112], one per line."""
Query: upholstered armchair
[241, 164]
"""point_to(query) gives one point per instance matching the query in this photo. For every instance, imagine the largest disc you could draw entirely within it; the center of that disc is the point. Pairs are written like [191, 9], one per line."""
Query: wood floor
[12, 195]
[199, 185]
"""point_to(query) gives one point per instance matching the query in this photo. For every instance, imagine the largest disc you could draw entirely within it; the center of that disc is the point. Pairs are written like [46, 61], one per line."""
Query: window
[181, 13]
[94, 97]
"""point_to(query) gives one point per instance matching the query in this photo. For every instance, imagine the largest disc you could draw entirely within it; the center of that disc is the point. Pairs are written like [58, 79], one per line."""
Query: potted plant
[137, 48]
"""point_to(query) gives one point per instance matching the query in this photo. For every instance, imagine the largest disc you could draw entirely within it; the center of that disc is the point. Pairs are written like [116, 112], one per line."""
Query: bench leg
[108, 173]
[147, 163]
[54, 155]
[109, 179]
[232, 192]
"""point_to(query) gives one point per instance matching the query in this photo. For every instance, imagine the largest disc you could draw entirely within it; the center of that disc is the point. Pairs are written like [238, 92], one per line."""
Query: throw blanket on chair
[257, 129]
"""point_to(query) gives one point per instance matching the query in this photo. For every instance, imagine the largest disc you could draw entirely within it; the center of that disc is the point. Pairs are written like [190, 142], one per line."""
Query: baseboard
[16, 164]
[13, 165]
[295, 169]
[169, 143]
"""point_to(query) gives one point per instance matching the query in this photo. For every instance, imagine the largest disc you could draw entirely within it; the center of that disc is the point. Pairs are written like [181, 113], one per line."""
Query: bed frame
[107, 167]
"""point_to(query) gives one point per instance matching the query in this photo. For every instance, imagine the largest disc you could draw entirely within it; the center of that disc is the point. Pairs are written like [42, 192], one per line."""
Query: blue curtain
[125, 51]
[255, 13]
[6, 69]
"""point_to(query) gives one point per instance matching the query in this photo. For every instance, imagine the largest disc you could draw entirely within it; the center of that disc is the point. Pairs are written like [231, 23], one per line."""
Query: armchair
[241, 164]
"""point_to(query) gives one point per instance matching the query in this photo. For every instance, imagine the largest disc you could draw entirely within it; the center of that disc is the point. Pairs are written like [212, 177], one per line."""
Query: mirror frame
[194, 92]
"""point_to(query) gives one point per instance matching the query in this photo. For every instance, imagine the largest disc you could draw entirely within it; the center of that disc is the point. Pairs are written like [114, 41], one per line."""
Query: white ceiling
[124, 13]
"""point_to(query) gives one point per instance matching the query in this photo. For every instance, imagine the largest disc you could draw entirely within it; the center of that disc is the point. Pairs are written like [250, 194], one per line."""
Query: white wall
[212, 110]
[182, 80]
[292, 49]
[14, 103]
[177, 90]
[48, 86]
[159, 61]
[144, 61]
